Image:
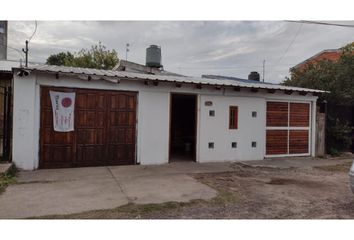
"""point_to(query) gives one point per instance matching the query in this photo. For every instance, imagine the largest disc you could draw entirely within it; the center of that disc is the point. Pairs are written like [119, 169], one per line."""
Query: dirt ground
[322, 192]
[255, 193]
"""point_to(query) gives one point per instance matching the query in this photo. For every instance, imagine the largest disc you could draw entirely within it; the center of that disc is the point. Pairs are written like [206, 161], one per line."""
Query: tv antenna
[263, 69]
[126, 51]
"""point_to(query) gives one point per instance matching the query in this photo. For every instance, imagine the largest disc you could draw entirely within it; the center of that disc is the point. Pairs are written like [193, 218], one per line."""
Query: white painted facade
[153, 119]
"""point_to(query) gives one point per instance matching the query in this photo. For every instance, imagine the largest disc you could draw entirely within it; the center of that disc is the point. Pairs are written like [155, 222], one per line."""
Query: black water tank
[153, 56]
[254, 76]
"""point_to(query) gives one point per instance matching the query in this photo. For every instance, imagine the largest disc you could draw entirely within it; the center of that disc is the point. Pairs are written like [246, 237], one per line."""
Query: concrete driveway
[66, 191]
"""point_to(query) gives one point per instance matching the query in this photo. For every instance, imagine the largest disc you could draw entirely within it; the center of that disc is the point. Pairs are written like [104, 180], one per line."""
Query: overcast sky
[191, 48]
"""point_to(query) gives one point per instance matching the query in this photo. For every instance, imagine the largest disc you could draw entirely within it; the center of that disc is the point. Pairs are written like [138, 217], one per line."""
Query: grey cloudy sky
[232, 48]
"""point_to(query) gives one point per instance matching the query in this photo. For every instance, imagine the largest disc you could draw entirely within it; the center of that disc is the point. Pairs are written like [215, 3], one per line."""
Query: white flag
[63, 110]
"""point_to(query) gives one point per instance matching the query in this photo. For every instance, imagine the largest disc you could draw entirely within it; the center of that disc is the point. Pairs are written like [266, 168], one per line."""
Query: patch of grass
[7, 178]
[224, 198]
[128, 211]
[345, 167]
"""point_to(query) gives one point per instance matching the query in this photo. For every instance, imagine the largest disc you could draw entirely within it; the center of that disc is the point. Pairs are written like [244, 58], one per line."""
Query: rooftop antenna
[263, 69]
[126, 51]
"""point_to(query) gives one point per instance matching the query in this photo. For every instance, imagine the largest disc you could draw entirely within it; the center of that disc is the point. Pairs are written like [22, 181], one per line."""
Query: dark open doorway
[183, 127]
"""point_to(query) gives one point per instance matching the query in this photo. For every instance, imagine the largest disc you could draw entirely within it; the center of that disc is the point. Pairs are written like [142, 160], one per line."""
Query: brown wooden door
[121, 128]
[104, 130]
[91, 110]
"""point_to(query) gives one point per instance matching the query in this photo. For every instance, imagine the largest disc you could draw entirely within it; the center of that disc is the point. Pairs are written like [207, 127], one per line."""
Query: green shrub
[8, 177]
[338, 136]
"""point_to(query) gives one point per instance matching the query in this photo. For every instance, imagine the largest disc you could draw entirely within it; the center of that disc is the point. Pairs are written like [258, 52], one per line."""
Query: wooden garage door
[104, 130]
[288, 128]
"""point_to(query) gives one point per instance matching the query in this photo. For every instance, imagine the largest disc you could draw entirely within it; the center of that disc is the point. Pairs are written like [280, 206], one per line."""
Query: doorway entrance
[183, 127]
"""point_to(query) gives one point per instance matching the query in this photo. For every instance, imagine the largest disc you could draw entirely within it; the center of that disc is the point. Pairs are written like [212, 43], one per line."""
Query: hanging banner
[63, 110]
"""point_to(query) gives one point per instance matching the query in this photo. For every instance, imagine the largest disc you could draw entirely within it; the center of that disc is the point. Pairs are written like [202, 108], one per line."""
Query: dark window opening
[234, 144]
[183, 127]
[254, 114]
[211, 113]
[254, 144]
[211, 145]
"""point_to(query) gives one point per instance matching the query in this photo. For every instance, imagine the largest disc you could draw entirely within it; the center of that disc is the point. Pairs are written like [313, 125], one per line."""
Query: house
[123, 118]
[328, 54]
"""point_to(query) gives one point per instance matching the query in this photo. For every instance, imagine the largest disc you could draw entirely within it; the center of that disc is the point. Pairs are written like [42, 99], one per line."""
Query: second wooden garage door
[288, 128]
[104, 130]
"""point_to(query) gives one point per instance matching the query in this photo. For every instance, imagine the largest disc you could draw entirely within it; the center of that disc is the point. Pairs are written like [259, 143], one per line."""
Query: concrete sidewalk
[65, 191]
[74, 190]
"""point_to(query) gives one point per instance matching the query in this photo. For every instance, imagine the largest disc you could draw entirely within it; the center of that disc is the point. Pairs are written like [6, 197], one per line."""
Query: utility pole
[26, 54]
[263, 69]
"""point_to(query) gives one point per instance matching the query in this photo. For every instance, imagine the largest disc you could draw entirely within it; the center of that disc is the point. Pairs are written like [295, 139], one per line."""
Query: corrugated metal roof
[114, 76]
[6, 65]
[235, 79]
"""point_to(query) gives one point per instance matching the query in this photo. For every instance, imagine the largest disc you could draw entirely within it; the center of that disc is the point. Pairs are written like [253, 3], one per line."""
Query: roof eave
[127, 77]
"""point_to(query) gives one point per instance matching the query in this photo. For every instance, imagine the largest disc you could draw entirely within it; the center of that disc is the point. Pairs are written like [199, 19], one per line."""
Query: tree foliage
[336, 77]
[96, 57]
[338, 134]
[60, 59]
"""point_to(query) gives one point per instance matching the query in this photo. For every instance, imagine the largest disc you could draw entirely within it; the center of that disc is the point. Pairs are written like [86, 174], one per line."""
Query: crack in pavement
[130, 200]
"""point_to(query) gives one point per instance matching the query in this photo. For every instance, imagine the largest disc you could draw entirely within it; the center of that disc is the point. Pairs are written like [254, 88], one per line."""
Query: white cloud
[190, 47]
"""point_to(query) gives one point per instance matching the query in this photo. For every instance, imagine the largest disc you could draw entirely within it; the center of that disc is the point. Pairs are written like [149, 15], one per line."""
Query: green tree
[336, 77]
[60, 59]
[96, 57]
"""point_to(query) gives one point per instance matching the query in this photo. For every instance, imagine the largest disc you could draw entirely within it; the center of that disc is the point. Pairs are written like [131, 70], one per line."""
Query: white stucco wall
[153, 127]
[216, 129]
[24, 124]
[153, 119]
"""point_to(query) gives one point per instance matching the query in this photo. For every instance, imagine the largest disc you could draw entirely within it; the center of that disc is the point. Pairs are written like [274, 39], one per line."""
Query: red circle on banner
[66, 102]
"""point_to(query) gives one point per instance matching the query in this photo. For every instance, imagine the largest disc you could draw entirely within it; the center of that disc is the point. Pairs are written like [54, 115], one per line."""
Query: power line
[34, 32]
[323, 23]
[12, 49]
[291, 43]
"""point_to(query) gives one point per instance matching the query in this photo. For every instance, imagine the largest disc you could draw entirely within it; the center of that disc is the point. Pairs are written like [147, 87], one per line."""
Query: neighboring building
[139, 68]
[126, 117]
[329, 54]
[3, 40]
[6, 106]
[5, 93]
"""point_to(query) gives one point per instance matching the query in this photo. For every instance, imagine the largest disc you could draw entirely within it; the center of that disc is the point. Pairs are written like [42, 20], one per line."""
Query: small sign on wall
[63, 110]
[208, 103]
